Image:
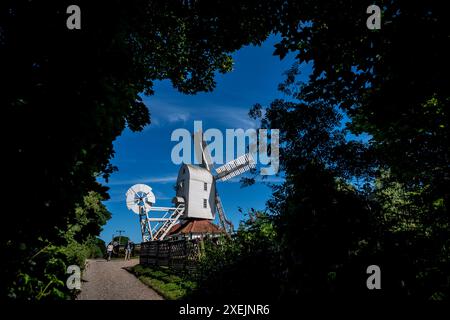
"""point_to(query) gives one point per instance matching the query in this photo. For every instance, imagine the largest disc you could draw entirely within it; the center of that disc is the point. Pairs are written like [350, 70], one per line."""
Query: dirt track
[104, 280]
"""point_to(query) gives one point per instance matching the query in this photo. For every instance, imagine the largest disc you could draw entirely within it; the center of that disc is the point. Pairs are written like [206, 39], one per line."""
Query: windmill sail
[235, 167]
[201, 151]
[225, 172]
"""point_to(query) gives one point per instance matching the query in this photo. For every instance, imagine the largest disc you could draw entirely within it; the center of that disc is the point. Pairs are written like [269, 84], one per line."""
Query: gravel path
[103, 280]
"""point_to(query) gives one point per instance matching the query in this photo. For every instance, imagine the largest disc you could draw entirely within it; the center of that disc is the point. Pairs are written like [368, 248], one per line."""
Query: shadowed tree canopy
[349, 203]
[392, 84]
[67, 94]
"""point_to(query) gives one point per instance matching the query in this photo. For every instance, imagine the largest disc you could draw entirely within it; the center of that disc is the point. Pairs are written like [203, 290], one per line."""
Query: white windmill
[196, 185]
[196, 197]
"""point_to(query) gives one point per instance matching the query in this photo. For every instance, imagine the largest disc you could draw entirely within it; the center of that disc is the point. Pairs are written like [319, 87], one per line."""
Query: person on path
[109, 250]
[128, 250]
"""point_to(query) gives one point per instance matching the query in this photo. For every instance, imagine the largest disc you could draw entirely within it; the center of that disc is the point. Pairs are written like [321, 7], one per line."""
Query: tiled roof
[195, 226]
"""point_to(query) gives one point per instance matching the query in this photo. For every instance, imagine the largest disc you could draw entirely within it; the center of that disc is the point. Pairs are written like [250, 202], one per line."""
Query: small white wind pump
[140, 200]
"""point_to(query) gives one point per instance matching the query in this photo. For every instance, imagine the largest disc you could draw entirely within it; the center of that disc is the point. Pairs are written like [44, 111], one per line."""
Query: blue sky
[145, 157]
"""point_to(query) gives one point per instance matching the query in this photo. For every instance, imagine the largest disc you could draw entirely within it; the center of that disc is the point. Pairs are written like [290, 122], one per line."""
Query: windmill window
[205, 203]
[205, 186]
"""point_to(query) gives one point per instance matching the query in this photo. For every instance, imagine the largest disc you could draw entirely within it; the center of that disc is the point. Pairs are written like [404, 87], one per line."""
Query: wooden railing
[180, 255]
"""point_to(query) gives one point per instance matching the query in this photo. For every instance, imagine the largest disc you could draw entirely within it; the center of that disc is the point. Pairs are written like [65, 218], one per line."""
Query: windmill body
[196, 186]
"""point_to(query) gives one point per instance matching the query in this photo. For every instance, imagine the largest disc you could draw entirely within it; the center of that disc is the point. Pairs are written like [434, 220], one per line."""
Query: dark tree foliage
[67, 94]
[346, 204]
[393, 85]
[393, 82]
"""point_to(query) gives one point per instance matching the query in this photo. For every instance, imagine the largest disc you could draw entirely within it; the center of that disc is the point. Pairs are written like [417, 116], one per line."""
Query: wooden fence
[176, 254]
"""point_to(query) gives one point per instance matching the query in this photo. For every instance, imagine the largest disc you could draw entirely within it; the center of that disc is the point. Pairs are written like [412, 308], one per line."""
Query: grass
[166, 282]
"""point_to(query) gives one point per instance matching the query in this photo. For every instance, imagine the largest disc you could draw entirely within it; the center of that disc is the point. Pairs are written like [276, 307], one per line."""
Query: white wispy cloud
[176, 117]
[167, 111]
[233, 117]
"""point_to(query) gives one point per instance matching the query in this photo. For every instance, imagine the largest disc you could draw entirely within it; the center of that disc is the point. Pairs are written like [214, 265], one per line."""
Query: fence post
[157, 254]
[169, 255]
[185, 255]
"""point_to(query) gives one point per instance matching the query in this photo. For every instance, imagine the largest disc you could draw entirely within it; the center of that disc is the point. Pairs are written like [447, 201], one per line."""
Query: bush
[242, 267]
